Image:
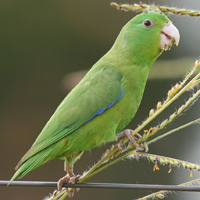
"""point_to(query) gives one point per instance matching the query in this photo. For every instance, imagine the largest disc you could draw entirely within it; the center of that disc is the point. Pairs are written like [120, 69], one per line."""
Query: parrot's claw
[127, 133]
[146, 147]
[120, 144]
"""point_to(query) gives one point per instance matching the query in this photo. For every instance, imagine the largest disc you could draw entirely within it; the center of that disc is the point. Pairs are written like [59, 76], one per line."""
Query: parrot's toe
[63, 180]
[138, 136]
[74, 178]
[127, 133]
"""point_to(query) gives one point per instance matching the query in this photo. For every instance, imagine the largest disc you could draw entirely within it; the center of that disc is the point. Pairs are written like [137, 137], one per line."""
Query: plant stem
[143, 7]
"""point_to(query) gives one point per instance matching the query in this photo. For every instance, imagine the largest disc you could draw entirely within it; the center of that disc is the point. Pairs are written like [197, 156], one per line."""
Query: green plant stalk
[196, 82]
[63, 197]
[163, 160]
[171, 118]
[60, 196]
[161, 193]
[143, 7]
[190, 73]
[98, 164]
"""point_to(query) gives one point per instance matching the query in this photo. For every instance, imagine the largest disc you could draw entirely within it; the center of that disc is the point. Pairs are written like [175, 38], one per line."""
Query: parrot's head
[147, 35]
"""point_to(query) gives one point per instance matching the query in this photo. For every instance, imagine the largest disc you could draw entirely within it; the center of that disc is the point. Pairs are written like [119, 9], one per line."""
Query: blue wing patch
[111, 104]
[100, 111]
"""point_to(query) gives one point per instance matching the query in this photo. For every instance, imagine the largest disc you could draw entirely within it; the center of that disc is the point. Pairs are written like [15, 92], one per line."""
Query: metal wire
[103, 186]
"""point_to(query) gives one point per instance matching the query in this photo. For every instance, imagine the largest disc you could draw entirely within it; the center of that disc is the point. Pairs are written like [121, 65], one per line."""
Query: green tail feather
[30, 164]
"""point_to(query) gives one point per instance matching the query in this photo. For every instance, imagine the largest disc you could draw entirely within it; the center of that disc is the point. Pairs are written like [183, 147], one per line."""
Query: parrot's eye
[148, 23]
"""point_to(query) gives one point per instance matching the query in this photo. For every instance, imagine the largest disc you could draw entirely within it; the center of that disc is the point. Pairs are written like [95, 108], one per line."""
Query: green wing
[98, 91]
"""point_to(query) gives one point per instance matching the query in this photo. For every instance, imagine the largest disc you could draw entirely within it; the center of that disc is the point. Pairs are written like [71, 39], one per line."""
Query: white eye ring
[147, 23]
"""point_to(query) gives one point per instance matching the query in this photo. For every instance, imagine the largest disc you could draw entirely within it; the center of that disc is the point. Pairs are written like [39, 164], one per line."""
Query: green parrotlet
[106, 99]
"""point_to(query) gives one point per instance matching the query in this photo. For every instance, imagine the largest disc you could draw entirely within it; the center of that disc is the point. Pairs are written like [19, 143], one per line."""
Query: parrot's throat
[134, 55]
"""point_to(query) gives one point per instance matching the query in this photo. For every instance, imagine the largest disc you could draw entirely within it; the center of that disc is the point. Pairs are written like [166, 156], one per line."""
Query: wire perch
[104, 186]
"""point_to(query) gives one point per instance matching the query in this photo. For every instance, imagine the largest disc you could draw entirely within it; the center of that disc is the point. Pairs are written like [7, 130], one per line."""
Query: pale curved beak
[169, 35]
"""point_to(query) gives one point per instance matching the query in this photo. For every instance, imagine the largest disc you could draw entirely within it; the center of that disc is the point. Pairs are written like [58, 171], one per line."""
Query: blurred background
[45, 48]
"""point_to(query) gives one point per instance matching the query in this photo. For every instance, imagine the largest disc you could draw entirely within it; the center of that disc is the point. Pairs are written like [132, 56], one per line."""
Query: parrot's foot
[70, 179]
[67, 178]
[127, 133]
